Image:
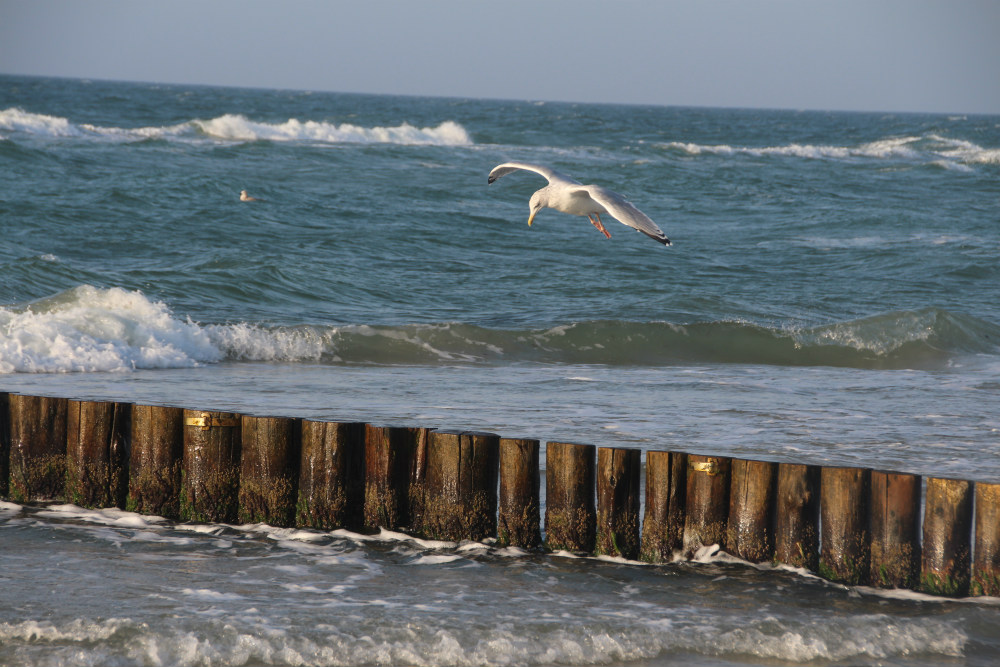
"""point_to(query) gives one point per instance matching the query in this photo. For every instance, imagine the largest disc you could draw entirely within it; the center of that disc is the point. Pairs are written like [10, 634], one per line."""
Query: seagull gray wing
[624, 212]
[551, 175]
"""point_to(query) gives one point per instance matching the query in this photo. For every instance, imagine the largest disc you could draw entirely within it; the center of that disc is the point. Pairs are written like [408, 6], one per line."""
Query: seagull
[570, 196]
[245, 197]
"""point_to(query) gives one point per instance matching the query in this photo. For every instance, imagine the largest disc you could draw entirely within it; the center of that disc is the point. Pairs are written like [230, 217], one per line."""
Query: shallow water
[162, 593]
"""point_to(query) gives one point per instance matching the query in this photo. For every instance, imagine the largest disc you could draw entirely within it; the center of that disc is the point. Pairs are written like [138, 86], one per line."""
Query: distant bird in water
[245, 197]
[569, 196]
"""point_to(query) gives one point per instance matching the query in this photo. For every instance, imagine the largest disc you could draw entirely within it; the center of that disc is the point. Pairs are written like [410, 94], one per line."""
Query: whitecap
[92, 329]
[929, 149]
[239, 128]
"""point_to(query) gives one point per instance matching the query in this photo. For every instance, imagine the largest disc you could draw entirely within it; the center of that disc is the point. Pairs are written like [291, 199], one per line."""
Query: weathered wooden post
[707, 502]
[947, 537]
[796, 526]
[986, 568]
[750, 529]
[895, 530]
[270, 452]
[570, 514]
[210, 490]
[618, 502]
[4, 444]
[37, 447]
[481, 514]
[844, 515]
[156, 460]
[460, 499]
[331, 475]
[663, 521]
[417, 476]
[388, 452]
[520, 514]
[98, 434]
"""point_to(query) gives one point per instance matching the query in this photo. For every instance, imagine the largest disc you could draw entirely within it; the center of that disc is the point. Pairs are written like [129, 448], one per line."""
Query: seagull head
[537, 202]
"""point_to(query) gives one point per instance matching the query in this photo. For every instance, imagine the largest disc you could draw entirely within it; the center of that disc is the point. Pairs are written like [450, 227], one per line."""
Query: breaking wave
[88, 329]
[930, 148]
[237, 128]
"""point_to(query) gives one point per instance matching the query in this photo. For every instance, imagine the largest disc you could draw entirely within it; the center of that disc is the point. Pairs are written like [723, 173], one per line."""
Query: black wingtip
[659, 239]
[490, 179]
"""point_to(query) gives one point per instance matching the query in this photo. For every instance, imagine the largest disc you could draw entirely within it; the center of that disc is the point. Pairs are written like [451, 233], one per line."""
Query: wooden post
[895, 529]
[986, 568]
[210, 490]
[947, 537]
[570, 514]
[98, 434]
[707, 502]
[270, 452]
[618, 502]
[796, 526]
[750, 530]
[156, 460]
[331, 475]
[388, 452]
[460, 491]
[4, 444]
[520, 515]
[846, 546]
[37, 447]
[417, 477]
[481, 512]
[663, 521]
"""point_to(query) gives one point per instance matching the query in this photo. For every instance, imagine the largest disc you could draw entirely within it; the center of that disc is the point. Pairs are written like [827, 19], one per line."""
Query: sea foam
[928, 149]
[238, 128]
[88, 329]
[92, 329]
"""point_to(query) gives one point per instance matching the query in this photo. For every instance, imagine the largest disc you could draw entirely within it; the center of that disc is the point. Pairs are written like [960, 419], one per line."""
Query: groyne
[857, 526]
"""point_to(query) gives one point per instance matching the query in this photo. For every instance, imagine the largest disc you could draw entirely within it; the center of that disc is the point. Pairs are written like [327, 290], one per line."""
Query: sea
[832, 297]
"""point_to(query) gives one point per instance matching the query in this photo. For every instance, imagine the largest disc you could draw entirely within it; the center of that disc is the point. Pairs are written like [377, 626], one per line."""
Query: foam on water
[251, 639]
[238, 128]
[90, 329]
[225, 622]
[930, 148]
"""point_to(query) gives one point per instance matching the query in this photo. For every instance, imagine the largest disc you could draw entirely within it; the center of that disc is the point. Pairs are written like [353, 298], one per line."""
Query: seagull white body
[570, 196]
[245, 197]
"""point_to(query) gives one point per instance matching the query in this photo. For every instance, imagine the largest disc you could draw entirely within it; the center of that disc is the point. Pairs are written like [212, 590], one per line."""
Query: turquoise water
[832, 296]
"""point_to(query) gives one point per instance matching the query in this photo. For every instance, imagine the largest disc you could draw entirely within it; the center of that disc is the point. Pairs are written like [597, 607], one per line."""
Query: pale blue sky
[885, 55]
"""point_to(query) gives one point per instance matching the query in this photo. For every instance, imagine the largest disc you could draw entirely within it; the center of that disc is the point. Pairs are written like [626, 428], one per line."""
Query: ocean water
[832, 297]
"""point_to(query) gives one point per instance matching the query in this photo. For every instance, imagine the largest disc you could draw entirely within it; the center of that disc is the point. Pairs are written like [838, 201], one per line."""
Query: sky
[864, 55]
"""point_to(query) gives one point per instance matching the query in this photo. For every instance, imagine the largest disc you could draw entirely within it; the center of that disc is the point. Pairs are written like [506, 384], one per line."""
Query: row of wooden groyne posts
[851, 525]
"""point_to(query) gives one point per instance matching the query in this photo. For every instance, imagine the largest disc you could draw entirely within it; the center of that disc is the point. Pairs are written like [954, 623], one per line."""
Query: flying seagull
[570, 196]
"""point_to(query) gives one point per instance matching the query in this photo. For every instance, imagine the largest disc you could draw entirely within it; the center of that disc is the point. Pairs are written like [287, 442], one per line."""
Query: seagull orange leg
[597, 223]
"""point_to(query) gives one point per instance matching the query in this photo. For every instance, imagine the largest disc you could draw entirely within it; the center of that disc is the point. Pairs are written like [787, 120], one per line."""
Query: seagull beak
[531, 218]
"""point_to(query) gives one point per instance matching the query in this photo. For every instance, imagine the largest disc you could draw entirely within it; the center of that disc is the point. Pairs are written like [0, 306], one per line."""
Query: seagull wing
[624, 212]
[551, 175]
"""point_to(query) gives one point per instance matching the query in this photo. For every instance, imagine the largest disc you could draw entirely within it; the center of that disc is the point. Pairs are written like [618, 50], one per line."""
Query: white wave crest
[426, 641]
[932, 149]
[239, 128]
[19, 120]
[91, 329]
[88, 329]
